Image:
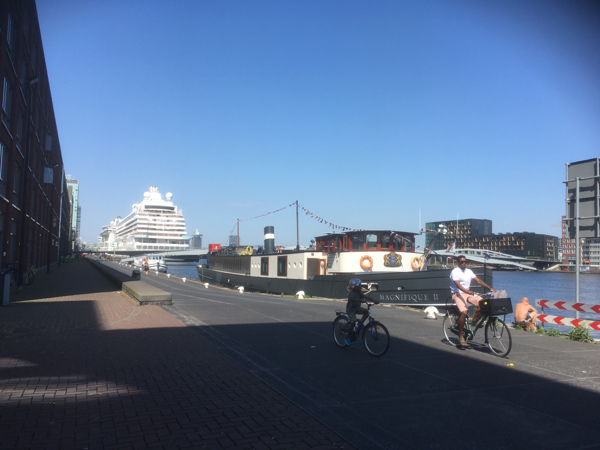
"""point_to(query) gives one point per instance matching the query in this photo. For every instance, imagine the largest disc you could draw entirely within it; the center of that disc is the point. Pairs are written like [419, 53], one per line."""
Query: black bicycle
[497, 334]
[375, 335]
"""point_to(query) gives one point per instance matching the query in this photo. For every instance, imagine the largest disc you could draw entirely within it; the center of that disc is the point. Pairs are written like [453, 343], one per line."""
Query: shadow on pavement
[68, 382]
[71, 278]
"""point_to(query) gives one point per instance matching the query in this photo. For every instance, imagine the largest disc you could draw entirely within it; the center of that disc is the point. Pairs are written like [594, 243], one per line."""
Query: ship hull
[425, 288]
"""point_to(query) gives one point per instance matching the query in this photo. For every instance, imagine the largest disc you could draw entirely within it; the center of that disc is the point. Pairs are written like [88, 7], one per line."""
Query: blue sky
[365, 112]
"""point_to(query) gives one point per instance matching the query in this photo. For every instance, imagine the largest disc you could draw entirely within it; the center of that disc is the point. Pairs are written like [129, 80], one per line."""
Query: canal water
[557, 286]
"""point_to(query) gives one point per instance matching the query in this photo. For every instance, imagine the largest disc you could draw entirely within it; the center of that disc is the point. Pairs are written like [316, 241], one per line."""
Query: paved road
[422, 394]
[82, 366]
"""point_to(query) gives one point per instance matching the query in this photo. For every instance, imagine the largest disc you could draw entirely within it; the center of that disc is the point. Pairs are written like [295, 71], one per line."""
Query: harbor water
[556, 286]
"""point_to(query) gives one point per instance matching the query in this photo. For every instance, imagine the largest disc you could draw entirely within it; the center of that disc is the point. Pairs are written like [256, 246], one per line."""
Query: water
[555, 286]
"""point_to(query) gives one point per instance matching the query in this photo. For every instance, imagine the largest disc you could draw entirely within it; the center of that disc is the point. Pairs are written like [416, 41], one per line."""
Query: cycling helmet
[353, 283]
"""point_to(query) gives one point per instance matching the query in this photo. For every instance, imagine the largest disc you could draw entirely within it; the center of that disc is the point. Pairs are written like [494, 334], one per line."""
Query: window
[398, 242]
[20, 132]
[23, 76]
[16, 182]
[371, 241]
[282, 266]
[6, 102]
[3, 170]
[10, 36]
[385, 241]
[264, 266]
[357, 242]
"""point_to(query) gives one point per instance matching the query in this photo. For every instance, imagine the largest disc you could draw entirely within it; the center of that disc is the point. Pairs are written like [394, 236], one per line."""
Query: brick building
[34, 213]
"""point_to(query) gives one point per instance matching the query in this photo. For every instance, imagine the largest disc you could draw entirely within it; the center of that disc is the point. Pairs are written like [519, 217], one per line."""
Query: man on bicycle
[460, 283]
[355, 299]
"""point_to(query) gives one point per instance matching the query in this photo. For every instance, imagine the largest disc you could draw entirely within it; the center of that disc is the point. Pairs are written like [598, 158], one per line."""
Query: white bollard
[206, 285]
[300, 295]
[241, 289]
[184, 280]
[168, 275]
[431, 312]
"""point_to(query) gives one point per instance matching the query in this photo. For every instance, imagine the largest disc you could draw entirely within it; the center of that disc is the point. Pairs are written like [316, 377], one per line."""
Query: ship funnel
[269, 240]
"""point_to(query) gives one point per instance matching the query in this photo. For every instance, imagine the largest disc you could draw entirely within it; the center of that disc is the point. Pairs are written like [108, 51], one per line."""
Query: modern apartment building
[568, 245]
[477, 234]
[459, 231]
[73, 189]
[34, 214]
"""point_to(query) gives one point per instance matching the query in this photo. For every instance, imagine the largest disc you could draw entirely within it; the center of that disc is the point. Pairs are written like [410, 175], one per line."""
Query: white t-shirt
[463, 277]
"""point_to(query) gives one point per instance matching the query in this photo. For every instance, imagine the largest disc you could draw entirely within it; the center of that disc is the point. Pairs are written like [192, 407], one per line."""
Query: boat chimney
[269, 240]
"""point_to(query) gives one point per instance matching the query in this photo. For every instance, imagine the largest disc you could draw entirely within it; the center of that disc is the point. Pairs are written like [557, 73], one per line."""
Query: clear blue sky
[366, 112]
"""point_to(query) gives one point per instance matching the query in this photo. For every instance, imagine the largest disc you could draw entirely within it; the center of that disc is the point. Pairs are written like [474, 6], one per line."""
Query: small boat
[157, 262]
[388, 258]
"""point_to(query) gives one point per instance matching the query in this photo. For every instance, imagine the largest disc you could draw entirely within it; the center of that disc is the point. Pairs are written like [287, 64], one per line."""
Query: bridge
[187, 254]
[492, 258]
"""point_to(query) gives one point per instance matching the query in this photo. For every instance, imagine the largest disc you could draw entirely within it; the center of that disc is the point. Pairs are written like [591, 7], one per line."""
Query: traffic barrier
[566, 306]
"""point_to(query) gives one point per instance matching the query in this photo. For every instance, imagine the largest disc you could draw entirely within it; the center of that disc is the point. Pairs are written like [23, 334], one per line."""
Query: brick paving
[82, 366]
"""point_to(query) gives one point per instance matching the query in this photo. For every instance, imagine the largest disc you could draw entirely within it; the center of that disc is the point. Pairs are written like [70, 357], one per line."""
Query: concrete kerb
[141, 292]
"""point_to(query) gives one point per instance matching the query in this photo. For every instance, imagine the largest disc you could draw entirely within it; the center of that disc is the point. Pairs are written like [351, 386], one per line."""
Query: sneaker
[348, 341]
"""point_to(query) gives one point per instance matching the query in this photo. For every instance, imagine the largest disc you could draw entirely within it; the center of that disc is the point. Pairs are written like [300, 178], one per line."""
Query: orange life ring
[366, 262]
[416, 263]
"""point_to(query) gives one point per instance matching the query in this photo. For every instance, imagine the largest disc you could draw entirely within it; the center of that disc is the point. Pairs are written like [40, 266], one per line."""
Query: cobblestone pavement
[82, 366]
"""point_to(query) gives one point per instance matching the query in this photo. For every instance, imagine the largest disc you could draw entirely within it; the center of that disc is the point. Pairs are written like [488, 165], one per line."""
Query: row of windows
[362, 242]
[281, 266]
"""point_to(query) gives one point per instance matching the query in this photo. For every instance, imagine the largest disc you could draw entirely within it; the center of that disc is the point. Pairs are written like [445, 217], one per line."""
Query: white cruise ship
[153, 224]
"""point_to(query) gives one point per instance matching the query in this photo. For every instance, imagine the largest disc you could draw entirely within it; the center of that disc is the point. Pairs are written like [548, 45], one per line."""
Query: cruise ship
[153, 225]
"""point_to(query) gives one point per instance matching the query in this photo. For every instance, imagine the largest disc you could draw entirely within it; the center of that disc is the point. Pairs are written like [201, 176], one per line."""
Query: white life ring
[416, 263]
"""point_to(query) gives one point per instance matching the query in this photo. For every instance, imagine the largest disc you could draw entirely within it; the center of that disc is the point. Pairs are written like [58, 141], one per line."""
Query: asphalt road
[423, 393]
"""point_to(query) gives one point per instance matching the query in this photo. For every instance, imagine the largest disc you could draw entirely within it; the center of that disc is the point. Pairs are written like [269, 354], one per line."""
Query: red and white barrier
[581, 307]
[557, 320]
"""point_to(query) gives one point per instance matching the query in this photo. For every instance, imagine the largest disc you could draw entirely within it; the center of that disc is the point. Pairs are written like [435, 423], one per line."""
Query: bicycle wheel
[29, 278]
[376, 338]
[497, 337]
[338, 325]
[451, 329]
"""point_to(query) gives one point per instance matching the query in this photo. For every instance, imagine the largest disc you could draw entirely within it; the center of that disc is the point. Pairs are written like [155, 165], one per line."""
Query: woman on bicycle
[460, 283]
[355, 299]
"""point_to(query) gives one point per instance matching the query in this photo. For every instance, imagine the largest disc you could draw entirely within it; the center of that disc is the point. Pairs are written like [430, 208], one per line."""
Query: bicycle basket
[496, 306]
[500, 294]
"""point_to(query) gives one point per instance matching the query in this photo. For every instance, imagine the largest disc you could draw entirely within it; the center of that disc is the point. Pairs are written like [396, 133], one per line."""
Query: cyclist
[355, 299]
[460, 283]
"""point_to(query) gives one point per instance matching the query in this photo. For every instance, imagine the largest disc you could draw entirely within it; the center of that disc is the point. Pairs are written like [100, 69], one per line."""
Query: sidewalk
[83, 367]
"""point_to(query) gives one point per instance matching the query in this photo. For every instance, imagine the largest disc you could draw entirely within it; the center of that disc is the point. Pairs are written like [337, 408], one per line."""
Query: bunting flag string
[307, 212]
[326, 222]
[256, 217]
[266, 214]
